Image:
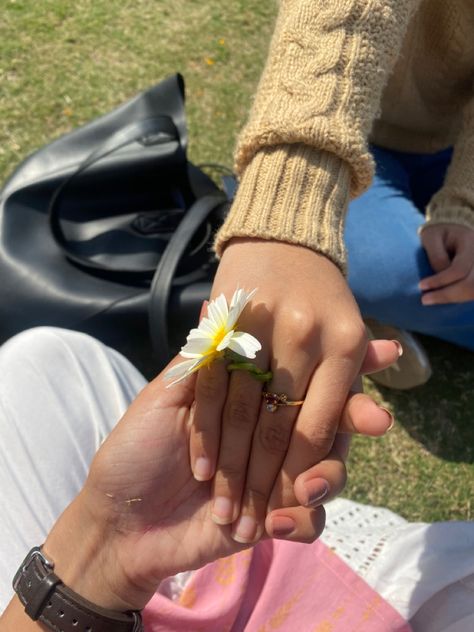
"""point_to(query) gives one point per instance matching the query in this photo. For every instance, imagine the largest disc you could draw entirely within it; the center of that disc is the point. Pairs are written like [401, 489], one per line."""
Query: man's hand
[314, 341]
[450, 250]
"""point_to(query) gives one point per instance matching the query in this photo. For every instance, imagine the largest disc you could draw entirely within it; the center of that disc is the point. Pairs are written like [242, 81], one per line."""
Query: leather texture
[48, 600]
[85, 221]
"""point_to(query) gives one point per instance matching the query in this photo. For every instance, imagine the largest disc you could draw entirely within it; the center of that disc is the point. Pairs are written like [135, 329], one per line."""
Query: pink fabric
[279, 586]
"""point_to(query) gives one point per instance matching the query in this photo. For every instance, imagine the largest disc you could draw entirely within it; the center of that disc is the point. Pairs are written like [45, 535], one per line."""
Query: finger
[362, 415]
[238, 424]
[316, 426]
[296, 524]
[460, 267]
[269, 446]
[322, 482]
[211, 388]
[459, 292]
[434, 243]
[380, 355]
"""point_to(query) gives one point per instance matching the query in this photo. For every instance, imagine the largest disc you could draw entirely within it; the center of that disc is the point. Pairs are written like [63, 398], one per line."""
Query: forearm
[454, 202]
[304, 150]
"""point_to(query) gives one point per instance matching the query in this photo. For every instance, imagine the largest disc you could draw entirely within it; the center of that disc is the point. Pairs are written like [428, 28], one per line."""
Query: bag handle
[166, 270]
[151, 131]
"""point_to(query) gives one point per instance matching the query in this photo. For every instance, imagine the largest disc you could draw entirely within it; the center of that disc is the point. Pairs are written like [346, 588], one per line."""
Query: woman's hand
[450, 250]
[313, 340]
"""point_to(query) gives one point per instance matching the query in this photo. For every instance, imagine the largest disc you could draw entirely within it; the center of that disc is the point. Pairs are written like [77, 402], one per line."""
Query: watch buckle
[35, 552]
[137, 625]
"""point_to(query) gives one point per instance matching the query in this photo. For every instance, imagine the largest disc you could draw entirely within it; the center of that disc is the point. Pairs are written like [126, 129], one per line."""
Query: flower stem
[252, 369]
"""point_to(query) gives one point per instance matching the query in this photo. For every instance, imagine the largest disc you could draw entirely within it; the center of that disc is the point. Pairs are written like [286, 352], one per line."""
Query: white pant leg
[61, 392]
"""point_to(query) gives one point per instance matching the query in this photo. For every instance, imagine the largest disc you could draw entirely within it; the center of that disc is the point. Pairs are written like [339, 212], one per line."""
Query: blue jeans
[386, 259]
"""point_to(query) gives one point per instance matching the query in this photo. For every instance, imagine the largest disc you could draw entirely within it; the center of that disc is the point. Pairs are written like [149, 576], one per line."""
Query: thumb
[433, 241]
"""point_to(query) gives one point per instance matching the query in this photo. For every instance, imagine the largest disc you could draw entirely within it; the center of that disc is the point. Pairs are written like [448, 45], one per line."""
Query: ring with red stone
[274, 401]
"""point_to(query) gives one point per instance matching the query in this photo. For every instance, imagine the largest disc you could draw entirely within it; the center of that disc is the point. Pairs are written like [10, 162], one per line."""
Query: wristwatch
[48, 600]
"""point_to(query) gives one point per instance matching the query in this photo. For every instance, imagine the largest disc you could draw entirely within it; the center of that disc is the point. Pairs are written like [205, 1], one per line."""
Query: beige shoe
[411, 369]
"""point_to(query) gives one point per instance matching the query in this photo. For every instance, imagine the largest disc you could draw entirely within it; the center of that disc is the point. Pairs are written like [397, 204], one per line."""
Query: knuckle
[208, 387]
[239, 413]
[275, 438]
[230, 471]
[351, 337]
[300, 322]
[321, 438]
[256, 497]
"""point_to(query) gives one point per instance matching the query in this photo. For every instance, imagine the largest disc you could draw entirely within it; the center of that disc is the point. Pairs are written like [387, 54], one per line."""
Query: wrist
[86, 555]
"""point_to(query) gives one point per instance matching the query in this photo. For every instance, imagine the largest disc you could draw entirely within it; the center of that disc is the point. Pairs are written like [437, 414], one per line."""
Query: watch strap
[48, 600]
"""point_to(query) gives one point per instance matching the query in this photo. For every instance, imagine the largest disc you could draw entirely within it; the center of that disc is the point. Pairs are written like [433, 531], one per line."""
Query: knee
[45, 347]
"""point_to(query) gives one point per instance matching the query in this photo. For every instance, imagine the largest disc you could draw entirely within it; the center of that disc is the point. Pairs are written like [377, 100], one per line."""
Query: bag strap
[166, 270]
[151, 131]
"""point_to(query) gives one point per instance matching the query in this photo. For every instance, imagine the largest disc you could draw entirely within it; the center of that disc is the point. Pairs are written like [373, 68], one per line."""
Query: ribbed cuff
[294, 194]
[449, 209]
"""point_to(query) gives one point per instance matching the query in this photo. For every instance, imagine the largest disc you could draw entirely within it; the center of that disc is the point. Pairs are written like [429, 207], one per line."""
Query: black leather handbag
[107, 230]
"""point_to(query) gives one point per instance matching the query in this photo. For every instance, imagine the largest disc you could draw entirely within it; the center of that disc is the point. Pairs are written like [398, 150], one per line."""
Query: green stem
[252, 369]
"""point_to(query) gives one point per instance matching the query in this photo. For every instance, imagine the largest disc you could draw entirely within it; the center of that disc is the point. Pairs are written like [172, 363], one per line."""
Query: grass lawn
[62, 63]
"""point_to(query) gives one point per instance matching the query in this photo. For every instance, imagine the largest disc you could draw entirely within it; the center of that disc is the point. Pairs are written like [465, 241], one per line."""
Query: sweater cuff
[451, 207]
[294, 194]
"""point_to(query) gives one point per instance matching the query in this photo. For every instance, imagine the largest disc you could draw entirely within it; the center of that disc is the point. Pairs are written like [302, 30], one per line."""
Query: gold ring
[275, 400]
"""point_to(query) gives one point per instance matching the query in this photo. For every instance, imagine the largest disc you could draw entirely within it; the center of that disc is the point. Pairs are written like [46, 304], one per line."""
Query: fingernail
[245, 530]
[427, 299]
[423, 285]
[399, 347]
[222, 510]
[316, 489]
[202, 470]
[391, 417]
[282, 526]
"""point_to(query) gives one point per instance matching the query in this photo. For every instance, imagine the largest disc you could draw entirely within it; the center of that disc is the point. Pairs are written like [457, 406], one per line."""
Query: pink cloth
[280, 586]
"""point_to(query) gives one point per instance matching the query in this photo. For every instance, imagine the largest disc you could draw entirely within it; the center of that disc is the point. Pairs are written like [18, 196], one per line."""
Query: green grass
[62, 63]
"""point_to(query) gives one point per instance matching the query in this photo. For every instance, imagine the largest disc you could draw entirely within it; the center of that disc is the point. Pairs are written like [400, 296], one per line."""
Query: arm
[448, 234]
[302, 155]
[303, 152]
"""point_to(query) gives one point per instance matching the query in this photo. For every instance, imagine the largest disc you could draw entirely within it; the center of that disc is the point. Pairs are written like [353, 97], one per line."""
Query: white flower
[214, 335]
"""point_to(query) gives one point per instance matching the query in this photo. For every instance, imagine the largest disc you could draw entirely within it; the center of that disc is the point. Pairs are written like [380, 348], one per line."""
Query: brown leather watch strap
[47, 599]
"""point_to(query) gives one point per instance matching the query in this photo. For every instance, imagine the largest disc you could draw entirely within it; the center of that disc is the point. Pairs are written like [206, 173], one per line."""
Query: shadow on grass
[440, 415]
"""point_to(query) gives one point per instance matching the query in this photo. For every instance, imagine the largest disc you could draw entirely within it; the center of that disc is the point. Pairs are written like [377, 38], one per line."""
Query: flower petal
[244, 344]
[197, 347]
[181, 370]
[218, 311]
[237, 304]
[225, 340]
[207, 326]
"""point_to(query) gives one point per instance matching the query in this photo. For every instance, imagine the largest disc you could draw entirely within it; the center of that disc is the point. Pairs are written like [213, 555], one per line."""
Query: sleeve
[303, 153]
[454, 202]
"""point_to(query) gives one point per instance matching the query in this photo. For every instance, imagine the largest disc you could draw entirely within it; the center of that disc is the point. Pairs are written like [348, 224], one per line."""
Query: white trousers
[61, 392]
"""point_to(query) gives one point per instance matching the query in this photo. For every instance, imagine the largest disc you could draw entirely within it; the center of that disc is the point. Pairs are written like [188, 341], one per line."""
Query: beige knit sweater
[341, 72]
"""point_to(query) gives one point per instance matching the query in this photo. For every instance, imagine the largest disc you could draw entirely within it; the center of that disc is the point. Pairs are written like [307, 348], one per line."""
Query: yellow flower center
[218, 337]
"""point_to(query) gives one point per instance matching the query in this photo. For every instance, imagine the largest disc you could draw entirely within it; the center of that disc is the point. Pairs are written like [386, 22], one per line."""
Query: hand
[450, 250]
[313, 341]
[142, 516]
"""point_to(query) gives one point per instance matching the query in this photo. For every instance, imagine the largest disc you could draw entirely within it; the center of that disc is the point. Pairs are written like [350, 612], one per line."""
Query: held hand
[450, 250]
[142, 516]
[313, 341]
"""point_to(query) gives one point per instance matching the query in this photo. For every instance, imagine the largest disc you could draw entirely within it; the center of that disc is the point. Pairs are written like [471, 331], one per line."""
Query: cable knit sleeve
[454, 202]
[303, 152]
